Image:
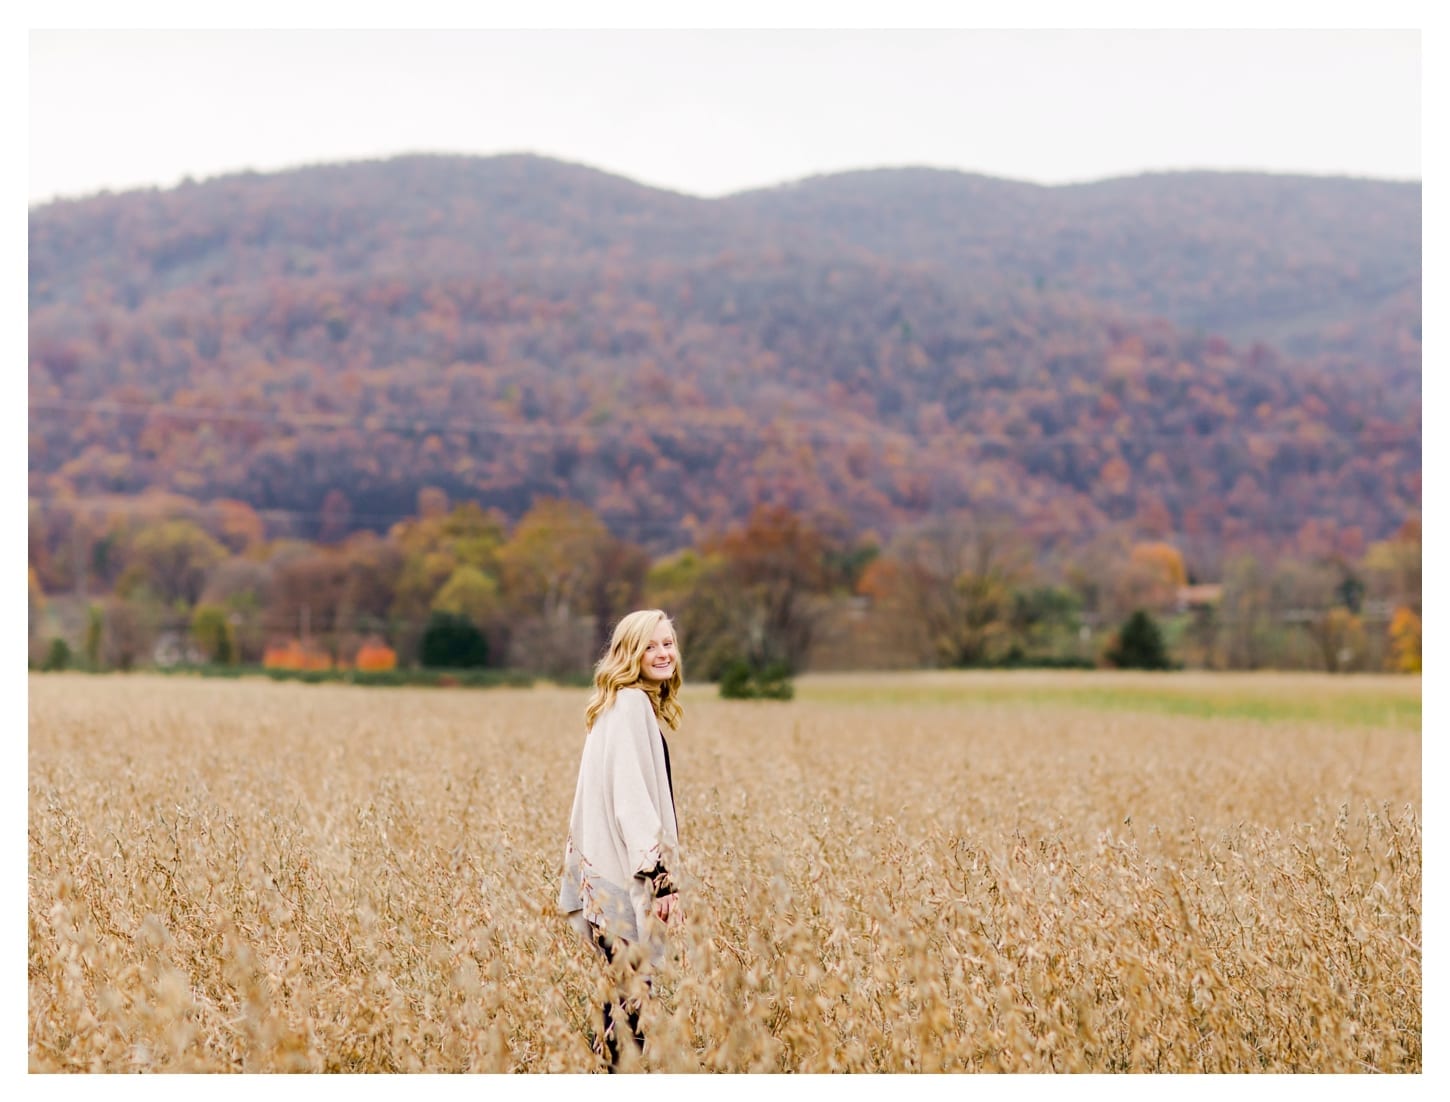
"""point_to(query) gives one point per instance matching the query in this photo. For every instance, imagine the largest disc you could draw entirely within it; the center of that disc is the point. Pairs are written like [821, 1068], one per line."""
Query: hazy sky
[714, 111]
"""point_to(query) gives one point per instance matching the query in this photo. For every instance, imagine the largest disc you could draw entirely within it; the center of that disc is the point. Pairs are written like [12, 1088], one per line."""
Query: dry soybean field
[892, 872]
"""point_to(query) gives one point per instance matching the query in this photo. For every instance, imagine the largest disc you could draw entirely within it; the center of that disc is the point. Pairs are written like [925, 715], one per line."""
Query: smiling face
[659, 653]
[644, 653]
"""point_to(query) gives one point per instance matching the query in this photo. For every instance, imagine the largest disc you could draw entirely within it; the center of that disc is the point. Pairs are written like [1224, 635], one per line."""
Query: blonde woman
[616, 887]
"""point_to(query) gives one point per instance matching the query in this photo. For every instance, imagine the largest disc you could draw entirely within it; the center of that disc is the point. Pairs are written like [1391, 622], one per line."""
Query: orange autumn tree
[1405, 641]
[1392, 575]
[947, 585]
[1152, 577]
[776, 568]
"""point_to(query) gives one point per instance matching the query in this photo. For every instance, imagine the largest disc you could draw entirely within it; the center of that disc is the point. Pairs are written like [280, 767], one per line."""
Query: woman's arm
[659, 881]
[629, 763]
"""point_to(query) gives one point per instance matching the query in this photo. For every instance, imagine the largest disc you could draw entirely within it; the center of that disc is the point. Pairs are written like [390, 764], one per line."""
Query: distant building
[1198, 596]
[174, 647]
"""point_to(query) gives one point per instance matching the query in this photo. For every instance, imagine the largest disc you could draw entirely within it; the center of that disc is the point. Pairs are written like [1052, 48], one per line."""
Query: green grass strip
[1349, 708]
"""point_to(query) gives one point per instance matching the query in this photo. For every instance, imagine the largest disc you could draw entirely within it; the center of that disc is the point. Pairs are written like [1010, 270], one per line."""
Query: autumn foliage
[779, 589]
[293, 655]
[958, 420]
[375, 656]
[1405, 637]
[318, 345]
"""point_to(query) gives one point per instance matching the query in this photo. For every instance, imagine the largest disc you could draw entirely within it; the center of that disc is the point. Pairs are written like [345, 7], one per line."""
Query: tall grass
[278, 877]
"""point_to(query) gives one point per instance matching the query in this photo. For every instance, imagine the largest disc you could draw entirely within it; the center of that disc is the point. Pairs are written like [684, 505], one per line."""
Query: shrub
[292, 655]
[742, 681]
[212, 630]
[375, 656]
[452, 641]
[58, 656]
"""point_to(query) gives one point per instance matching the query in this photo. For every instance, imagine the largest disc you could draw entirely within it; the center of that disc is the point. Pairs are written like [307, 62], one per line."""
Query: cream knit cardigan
[622, 825]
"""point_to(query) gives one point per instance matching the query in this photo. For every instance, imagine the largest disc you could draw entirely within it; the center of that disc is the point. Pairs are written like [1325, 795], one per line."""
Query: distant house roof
[1204, 594]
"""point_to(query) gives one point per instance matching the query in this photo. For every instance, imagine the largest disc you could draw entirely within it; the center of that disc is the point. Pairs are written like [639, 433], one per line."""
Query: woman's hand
[667, 905]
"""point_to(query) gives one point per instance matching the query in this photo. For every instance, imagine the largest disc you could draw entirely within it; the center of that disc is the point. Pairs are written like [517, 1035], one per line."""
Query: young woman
[616, 887]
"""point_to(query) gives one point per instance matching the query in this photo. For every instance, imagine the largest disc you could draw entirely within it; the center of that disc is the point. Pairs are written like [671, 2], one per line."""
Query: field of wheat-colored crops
[942, 872]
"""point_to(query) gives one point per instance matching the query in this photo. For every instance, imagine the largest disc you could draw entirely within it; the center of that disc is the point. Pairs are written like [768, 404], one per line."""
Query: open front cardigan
[622, 827]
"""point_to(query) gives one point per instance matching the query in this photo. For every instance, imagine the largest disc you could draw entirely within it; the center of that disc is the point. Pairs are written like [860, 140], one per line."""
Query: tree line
[133, 582]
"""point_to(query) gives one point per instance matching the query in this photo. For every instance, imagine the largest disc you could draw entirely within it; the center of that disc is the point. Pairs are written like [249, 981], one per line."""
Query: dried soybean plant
[241, 876]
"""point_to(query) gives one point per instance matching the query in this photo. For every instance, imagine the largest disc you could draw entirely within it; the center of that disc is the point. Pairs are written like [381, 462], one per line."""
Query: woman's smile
[659, 653]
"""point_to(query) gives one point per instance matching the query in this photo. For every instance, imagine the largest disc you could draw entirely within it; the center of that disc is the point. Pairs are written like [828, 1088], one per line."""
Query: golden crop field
[921, 872]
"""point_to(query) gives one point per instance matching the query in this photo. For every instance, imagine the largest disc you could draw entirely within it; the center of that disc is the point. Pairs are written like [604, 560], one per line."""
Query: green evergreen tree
[1140, 645]
[452, 642]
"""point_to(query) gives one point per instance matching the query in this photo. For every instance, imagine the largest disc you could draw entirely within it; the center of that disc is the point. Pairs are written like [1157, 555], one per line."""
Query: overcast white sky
[714, 111]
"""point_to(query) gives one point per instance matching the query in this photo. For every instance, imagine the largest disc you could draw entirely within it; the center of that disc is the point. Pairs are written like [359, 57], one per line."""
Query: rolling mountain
[1251, 257]
[1217, 357]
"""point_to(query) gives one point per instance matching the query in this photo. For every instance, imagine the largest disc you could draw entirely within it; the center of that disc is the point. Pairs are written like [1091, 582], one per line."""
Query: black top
[659, 877]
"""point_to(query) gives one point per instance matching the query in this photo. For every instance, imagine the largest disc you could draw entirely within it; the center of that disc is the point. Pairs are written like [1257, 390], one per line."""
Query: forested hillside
[1219, 359]
[1294, 260]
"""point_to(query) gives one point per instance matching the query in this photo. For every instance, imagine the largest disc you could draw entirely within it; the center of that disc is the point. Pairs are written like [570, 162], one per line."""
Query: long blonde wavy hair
[622, 667]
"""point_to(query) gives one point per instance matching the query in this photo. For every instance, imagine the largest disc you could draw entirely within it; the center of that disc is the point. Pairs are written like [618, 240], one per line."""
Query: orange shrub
[292, 655]
[283, 656]
[375, 655]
